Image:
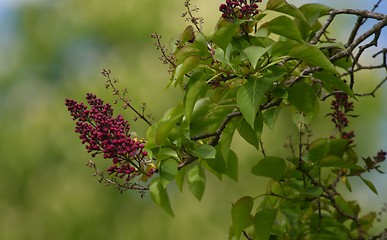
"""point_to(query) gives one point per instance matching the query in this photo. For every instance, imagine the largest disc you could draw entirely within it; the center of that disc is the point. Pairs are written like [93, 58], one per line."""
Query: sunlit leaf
[254, 53]
[223, 36]
[314, 11]
[312, 55]
[160, 196]
[197, 181]
[283, 7]
[240, 213]
[167, 171]
[191, 96]
[204, 151]
[250, 96]
[285, 26]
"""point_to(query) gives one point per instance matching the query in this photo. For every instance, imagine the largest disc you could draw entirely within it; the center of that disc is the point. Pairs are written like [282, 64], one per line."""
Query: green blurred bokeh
[52, 50]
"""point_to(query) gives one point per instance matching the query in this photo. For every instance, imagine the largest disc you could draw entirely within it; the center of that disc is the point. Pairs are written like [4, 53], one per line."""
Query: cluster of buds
[239, 9]
[374, 163]
[107, 135]
[341, 107]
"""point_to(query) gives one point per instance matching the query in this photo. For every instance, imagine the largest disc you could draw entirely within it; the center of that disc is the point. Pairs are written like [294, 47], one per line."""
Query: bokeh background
[52, 50]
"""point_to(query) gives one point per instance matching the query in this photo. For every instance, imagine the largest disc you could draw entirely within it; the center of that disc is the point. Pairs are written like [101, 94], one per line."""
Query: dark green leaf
[251, 135]
[197, 181]
[218, 164]
[263, 223]
[232, 166]
[338, 147]
[302, 96]
[160, 196]
[180, 177]
[250, 96]
[272, 167]
[285, 26]
[318, 150]
[270, 116]
[240, 213]
[331, 82]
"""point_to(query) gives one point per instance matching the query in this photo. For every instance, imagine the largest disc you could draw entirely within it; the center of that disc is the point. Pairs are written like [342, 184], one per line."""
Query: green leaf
[251, 135]
[166, 153]
[312, 55]
[223, 36]
[232, 166]
[283, 7]
[318, 150]
[191, 96]
[338, 147]
[270, 117]
[197, 181]
[285, 26]
[240, 213]
[334, 161]
[370, 185]
[254, 53]
[315, 191]
[250, 96]
[187, 35]
[168, 171]
[203, 151]
[160, 196]
[218, 164]
[314, 11]
[180, 177]
[332, 82]
[302, 96]
[263, 223]
[181, 70]
[272, 167]
[183, 53]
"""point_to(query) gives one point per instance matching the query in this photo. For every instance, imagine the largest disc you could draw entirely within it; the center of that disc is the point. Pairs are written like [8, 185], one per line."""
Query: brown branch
[110, 83]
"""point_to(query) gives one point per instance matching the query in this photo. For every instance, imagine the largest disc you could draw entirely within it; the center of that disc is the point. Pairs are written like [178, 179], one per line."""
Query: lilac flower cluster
[239, 9]
[104, 134]
[341, 107]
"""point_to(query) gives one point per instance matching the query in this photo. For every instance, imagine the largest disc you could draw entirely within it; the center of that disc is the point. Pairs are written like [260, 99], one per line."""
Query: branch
[372, 93]
[110, 83]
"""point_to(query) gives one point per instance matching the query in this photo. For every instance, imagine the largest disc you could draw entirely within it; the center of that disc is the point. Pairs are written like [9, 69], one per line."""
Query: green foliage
[242, 76]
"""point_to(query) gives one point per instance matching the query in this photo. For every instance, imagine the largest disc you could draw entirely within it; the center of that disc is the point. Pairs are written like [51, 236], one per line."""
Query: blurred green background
[52, 50]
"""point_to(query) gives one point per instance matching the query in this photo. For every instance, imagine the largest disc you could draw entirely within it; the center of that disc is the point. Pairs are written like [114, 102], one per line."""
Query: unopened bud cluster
[341, 107]
[107, 135]
[239, 9]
